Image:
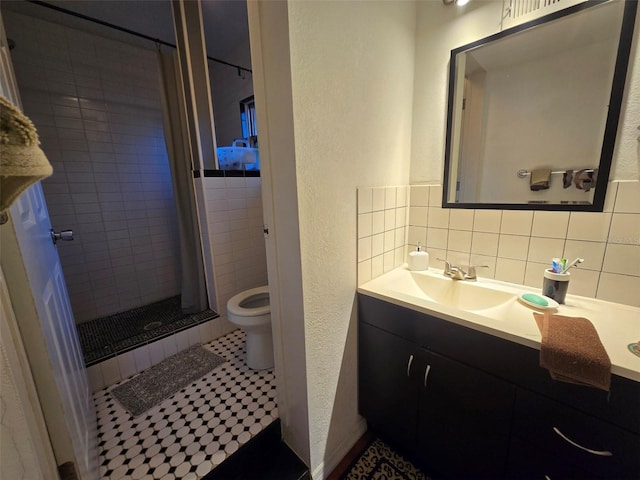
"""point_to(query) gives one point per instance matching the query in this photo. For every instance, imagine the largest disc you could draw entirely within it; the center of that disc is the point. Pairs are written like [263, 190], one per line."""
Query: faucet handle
[447, 264]
[472, 270]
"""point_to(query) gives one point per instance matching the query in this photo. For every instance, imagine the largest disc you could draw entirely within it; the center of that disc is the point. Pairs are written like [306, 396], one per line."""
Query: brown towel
[540, 179]
[572, 351]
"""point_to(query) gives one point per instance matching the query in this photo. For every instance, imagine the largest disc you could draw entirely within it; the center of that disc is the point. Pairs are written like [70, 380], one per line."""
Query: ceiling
[225, 21]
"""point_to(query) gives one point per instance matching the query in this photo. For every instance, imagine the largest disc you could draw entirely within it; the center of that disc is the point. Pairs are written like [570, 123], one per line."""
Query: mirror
[533, 111]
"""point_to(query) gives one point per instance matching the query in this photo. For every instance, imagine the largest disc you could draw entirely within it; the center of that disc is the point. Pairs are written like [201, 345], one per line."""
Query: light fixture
[460, 3]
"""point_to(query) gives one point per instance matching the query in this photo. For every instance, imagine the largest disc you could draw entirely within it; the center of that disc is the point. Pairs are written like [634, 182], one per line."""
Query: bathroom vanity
[453, 379]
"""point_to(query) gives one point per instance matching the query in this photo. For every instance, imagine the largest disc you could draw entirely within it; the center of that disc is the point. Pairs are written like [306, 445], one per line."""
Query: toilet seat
[235, 303]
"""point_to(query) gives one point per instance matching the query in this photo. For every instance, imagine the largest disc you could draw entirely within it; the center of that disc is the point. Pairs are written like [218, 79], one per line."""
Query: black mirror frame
[611, 126]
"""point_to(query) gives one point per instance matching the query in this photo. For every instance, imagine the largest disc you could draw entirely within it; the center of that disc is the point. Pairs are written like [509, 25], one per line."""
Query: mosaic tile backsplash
[517, 245]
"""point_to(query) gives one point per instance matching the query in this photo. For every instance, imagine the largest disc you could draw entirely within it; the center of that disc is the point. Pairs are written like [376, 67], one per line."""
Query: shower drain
[151, 326]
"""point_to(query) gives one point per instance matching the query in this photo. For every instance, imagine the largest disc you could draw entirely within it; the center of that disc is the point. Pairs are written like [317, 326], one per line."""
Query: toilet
[250, 311]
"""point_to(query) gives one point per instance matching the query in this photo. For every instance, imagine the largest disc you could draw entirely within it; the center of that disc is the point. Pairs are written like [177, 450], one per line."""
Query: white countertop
[617, 325]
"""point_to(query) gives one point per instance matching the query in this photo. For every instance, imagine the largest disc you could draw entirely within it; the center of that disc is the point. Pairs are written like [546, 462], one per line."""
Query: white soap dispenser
[419, 259]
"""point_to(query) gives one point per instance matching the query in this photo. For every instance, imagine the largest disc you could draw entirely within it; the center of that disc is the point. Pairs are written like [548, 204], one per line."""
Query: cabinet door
[464, 420]
[388, 391]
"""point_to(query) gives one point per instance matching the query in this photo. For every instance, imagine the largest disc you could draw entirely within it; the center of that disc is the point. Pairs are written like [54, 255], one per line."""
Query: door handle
[602, 453]
[409, 365]
[426, 375]
[66, 235]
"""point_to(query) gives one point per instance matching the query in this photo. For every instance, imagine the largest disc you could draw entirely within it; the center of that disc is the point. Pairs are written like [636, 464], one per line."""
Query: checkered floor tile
[189, 434]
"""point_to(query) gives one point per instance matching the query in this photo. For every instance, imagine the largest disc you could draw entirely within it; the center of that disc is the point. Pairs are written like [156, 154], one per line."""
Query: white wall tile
[518, 245]
[625, 228]
[402, 198]
[437, 238]
[388, 261]
[378, 199]
[513, 246]
[126, 364]
[583, 282]
[377, 222]
[364, 271]
[169, 346]
[508, 270]
[182, 340]
[389, 240]
[364, 248]
[419, 196]
[418, 216]
[610, 199]
[590, 226]
[628, 197]
[550, 224]
[591, 252]
[377, 266]
[435, 196]
[438, 217]
[484, 243]
[142, 358]
[194, 335]
[516, 222]
[156, 352]
[365, 199]
[534, 274]
[110, 371]
[401, 216]
[618, 288]
[479, 261]
[94, 375]
[622, 259]
[377, 244]
[461, 219]
[390, 194]
[389, 220]
[544, 250]
[459, 241]
[365, 225]
[417, 234]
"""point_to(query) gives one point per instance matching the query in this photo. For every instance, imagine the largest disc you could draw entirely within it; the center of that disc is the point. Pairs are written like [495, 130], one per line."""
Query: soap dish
[538, 301]
[634, 348]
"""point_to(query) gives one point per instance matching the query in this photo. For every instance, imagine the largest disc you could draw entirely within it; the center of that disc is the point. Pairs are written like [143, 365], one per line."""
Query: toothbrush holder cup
[555, 285]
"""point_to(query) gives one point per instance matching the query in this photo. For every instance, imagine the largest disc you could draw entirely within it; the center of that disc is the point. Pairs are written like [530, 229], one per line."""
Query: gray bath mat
[166, 378]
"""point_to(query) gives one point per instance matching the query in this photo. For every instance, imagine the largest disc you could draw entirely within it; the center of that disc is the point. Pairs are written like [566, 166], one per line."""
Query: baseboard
[331, 461]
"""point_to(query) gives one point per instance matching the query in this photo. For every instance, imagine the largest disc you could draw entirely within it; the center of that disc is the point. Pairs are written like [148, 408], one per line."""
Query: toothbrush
[572, 264]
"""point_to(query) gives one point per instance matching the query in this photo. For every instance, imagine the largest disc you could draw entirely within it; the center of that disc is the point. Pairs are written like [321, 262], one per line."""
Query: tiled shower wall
[517, 245]
[232, 225]
[96, 105]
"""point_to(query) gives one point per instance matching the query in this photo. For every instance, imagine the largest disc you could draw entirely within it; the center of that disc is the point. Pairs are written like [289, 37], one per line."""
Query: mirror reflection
[533, 111]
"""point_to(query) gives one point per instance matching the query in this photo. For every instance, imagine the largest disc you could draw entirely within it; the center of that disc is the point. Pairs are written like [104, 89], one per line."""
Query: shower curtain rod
[130, 32]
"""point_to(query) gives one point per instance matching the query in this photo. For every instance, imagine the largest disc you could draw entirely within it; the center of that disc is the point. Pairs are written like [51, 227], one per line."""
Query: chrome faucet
[458, 273]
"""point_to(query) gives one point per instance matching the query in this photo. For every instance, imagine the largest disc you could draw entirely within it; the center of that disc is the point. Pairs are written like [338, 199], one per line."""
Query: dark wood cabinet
[388, 393]
[464, 418]
[466, 404]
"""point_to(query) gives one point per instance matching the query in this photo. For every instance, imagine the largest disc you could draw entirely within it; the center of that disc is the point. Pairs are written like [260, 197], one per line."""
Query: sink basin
[460, 294]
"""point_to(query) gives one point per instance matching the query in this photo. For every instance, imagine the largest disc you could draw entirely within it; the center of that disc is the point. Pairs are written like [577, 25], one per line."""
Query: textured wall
[352, 76]
[97, 108]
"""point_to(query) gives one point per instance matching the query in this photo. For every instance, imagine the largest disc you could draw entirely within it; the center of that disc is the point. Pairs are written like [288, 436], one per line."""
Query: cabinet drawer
[568, 437]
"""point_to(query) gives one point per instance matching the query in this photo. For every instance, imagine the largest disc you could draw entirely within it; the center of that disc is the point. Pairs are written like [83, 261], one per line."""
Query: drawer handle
[409, 365]
[426, 374]
[602, 453]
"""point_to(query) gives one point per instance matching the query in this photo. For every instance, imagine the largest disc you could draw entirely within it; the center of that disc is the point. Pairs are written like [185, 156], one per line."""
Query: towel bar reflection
[525, 173]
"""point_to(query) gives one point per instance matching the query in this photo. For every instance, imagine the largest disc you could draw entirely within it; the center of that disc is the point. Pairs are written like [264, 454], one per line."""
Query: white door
[41, 302]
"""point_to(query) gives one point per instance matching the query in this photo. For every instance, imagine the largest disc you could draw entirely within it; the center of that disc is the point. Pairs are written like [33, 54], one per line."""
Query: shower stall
[96, 103]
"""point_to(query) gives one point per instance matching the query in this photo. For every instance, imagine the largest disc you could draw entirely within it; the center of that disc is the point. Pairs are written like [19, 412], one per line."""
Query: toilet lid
[238, 304]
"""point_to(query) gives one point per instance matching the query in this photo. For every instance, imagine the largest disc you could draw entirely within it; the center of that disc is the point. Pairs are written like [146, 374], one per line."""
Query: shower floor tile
[189, 434]
[105, 337]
